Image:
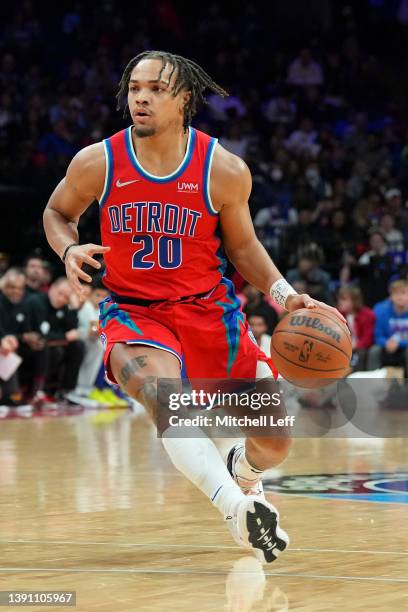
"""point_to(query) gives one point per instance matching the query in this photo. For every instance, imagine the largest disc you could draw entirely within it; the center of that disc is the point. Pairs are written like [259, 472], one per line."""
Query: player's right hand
[76, 257]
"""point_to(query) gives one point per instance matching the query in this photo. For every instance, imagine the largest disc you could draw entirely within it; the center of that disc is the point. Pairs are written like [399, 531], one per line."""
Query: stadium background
[89, 499]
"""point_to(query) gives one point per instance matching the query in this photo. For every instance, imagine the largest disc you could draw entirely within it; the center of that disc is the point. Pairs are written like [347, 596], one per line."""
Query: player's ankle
[226, 499]
[245, 467]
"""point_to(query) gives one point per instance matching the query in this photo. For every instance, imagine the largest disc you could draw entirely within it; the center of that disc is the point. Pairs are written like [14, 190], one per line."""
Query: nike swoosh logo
[120, 184]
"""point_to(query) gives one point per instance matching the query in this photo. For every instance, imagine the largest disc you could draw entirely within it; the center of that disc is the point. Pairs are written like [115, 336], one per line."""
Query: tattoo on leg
[131, 367]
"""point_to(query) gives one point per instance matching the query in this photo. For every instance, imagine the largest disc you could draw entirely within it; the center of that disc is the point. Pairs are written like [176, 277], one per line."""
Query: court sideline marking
[197, 546]
[181, 571]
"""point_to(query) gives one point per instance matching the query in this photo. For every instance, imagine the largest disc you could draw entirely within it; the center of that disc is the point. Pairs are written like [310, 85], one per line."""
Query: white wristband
[280, 291]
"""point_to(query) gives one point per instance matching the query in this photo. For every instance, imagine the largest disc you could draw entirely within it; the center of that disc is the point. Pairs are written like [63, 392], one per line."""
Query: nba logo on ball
[103, 340]
[305, 351]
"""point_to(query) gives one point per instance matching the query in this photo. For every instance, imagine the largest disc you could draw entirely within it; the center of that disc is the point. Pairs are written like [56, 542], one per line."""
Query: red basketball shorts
[209, 335]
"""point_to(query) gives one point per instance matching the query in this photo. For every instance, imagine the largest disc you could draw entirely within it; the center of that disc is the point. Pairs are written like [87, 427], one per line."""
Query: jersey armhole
[207, 174]
[108, 173]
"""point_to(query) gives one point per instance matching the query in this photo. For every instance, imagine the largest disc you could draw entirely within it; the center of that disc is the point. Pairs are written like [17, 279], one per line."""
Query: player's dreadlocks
[189, 76]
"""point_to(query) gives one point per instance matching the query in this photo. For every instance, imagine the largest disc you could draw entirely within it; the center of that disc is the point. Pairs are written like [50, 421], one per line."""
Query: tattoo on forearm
[131, 367]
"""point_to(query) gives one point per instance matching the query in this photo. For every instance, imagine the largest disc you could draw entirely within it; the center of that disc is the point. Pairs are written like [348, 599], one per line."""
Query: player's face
[152, 105]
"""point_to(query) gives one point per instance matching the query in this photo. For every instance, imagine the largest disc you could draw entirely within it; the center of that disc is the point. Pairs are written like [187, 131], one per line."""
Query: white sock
[197, 457]
[244, 469]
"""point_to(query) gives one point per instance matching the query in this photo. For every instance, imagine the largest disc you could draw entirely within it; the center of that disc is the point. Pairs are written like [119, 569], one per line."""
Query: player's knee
[283, 446]
[274, 449]
[142, 388]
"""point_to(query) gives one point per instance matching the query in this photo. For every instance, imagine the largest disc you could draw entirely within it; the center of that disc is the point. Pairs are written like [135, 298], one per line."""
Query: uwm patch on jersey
[161, 230]
[183, 187]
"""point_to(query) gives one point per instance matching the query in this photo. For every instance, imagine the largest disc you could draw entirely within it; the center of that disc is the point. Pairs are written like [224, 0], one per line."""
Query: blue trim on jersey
[231, 318]
[169, 177]
[206, 177]
[109, 172]
[221, 259]
[158, 345]
[109, 311]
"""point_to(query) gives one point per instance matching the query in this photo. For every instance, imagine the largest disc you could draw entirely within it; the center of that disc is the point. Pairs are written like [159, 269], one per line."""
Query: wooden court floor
[96, 507]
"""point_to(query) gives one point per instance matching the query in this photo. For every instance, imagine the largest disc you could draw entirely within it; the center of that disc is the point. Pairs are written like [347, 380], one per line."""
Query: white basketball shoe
[255, 525]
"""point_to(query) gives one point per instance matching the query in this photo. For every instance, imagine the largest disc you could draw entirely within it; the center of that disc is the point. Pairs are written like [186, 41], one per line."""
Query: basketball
[311, 348]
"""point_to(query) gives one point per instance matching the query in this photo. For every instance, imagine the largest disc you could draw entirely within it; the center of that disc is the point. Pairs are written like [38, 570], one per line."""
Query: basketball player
[162, 188]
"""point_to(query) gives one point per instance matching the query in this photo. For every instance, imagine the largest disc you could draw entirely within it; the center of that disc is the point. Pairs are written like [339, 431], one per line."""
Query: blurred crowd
[317, 109]
[54, 338]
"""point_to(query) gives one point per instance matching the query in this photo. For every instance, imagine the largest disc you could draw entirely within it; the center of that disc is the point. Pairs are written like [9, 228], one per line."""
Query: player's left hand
[293, 302]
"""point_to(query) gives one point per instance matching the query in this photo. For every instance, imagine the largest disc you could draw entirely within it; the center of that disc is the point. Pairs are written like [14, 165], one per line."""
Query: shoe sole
[260, 520]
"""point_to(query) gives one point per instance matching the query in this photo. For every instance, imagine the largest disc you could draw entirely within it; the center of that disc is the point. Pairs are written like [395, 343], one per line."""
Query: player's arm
[230, 189]
[82, 184]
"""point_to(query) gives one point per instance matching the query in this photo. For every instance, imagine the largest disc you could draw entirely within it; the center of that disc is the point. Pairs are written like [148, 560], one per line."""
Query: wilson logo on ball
[314, 323]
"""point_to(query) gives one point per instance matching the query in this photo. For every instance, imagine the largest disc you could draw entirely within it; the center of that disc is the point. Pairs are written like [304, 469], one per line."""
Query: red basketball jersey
[161, 230]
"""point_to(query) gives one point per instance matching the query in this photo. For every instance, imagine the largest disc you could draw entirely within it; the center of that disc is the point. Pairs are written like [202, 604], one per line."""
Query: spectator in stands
[9, 389]
[337, 240]
[374, 268]
[356, 135]
[321, 215]
[377, 154]
[320, 187]
[15, 320]
[48, 275]
[234, 141]
[396, 208]
[297, 237]
[8, 342]
[58, 325]
[14, 286]
[393, 236]
[391, 330]
[304, 70]
[59, 142]
[281, 110]
[34, 272]
[259, 328]
[223, 109]
[303, 141]
[360, 321]
[88, 317]
[254, 301]
[316, 280]
[271, 221]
